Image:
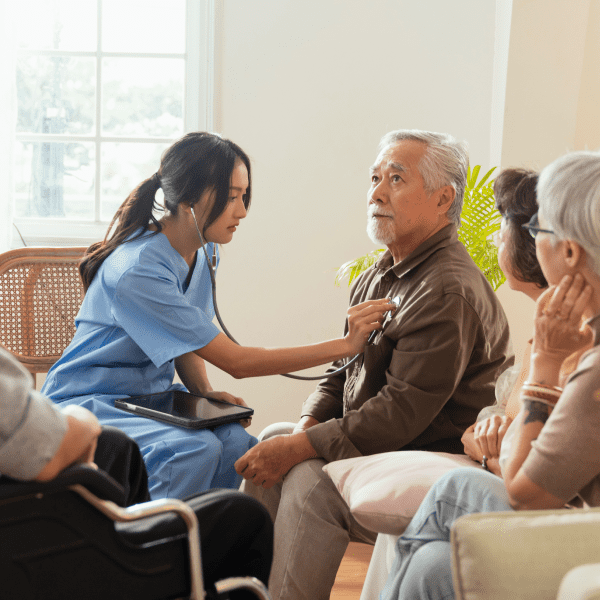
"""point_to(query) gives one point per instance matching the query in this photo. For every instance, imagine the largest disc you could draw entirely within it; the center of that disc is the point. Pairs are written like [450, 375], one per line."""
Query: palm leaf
[354, 268]
[479, 221]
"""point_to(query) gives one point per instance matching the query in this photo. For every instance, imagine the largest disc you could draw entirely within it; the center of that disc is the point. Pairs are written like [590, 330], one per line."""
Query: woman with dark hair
[514, 191]
[515, 194]
[148, 312]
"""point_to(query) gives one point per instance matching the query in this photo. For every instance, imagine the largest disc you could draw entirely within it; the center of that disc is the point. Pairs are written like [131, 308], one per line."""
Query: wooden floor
[351, 575]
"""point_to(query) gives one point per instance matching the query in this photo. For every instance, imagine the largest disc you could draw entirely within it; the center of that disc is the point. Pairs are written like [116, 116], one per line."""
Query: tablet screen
[183, 405]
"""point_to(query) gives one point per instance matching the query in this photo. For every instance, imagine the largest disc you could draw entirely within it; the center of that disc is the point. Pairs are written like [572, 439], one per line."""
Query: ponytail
[135, 213]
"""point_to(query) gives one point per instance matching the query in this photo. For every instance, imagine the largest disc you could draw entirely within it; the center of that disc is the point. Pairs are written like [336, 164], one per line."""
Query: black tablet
[184, 409]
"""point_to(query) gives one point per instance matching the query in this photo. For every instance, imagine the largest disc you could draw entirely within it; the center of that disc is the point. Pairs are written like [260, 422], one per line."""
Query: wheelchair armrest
[150, 509]
[96, 481]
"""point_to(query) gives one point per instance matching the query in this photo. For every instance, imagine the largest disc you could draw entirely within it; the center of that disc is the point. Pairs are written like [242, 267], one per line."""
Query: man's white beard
[380, 231]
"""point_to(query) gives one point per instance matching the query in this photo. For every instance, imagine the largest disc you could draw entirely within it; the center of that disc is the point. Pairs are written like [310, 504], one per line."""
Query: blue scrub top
[136, 318]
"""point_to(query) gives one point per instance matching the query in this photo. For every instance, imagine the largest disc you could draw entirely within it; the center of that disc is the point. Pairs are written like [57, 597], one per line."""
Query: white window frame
[198, 114]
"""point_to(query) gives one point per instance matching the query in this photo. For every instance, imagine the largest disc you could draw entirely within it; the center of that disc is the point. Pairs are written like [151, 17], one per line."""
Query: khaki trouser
[313, 526]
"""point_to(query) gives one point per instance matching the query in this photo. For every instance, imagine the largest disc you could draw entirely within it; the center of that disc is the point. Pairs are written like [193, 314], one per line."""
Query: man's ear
[445, 198]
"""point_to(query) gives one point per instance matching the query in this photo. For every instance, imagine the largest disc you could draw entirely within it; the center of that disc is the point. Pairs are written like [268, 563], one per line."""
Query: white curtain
[8, 112]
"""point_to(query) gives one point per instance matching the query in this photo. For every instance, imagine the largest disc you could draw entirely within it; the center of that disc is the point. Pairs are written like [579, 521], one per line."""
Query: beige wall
[544, 76]
[553, 84]
[308, 88]
[587, 128]
[552, 100]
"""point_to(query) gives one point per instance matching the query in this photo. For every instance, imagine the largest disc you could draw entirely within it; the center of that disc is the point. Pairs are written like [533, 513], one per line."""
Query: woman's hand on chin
[558, 330]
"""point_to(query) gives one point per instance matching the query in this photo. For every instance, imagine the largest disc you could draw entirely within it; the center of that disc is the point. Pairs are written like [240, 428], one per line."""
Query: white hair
[568, 193]
[445, 162]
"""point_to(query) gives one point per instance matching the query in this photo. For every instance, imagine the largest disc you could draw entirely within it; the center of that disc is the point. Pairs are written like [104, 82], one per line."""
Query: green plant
[479, 220]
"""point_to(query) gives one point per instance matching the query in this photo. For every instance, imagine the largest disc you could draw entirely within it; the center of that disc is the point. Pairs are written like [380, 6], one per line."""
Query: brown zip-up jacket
[426, 379]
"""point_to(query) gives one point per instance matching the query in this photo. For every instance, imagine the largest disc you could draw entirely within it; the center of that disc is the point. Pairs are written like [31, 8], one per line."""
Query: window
[102, 88]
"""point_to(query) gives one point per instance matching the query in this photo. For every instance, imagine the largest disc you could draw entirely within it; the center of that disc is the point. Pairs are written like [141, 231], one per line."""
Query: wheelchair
[71, 538]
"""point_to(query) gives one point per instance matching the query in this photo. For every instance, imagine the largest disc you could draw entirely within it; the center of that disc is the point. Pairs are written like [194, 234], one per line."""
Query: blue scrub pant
[184, 462]
[422, 569]
[181, 462]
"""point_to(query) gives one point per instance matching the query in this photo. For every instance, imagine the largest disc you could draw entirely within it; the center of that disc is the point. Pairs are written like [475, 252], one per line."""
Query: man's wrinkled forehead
[388, 159]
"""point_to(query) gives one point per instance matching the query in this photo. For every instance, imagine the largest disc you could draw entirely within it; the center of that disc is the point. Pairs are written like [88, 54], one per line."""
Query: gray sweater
[31, 426]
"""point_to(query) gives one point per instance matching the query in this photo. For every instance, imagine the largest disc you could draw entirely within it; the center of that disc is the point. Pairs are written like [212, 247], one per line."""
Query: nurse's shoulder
[150, 254]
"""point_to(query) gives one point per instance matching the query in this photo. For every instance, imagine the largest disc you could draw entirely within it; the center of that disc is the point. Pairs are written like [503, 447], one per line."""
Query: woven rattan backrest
[40, 295]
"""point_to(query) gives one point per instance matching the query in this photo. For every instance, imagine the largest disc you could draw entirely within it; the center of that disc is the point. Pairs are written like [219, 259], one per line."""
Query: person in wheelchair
[39, 439]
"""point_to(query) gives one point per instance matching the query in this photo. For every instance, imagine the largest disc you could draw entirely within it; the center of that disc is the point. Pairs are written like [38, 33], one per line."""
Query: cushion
[384, 491]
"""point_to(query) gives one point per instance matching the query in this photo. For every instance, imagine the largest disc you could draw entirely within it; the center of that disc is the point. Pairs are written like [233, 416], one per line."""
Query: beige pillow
[384, 491]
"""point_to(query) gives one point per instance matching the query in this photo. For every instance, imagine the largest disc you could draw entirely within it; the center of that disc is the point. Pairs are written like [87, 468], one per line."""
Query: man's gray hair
[568, 193]
[445, 162]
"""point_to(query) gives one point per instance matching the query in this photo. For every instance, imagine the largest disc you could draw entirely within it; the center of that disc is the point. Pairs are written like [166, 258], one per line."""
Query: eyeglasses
[533, 227]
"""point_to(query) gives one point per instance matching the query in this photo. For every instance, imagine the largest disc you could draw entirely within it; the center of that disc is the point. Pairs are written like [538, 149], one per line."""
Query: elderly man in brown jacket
[418, 387]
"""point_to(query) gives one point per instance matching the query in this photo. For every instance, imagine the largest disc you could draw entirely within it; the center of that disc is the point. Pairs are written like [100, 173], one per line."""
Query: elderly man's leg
[313, 526]
[312, 531]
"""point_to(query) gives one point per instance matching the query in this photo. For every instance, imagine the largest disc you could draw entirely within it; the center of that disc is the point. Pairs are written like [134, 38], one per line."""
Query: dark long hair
[193, 164]
[516, 200]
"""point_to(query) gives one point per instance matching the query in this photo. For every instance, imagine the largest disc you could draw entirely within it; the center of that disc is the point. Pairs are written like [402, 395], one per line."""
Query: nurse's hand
[227, 397]
[363, 319]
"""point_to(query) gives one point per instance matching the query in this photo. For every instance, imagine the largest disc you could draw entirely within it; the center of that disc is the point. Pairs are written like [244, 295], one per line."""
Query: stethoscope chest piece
[376, 336]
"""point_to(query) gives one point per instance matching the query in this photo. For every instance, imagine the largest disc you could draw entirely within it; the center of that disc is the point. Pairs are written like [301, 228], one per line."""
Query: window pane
[143, 26]
[56, 24]
[54, 180]
[124, 167]
[142, 97]
[55, 94]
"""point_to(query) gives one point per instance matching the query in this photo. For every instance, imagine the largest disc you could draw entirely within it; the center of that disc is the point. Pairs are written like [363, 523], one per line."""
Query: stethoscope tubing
[213, 282]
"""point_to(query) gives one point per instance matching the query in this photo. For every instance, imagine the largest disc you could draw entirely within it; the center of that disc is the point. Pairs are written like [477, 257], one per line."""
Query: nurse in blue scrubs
[148, 312]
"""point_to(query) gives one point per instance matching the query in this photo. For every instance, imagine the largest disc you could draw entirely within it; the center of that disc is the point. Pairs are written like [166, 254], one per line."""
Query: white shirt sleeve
[504, 386]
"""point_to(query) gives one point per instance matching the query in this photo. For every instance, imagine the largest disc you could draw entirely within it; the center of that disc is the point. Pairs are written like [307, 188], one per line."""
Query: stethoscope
[211, 269]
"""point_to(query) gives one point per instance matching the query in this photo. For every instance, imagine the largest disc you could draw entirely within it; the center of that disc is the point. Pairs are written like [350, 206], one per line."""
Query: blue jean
[422, 567]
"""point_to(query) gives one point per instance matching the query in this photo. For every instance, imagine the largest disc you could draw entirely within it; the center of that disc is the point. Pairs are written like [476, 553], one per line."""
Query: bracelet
[484, 462]
[545, 401]
[541, 390]
[538, 394]
[543, 385]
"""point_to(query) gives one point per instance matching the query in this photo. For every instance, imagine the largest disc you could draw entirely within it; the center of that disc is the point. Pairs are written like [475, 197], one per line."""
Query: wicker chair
[40, 295]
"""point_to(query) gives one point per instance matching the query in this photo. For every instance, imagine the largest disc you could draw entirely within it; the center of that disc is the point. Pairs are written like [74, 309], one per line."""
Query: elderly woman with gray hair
[544, 468]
